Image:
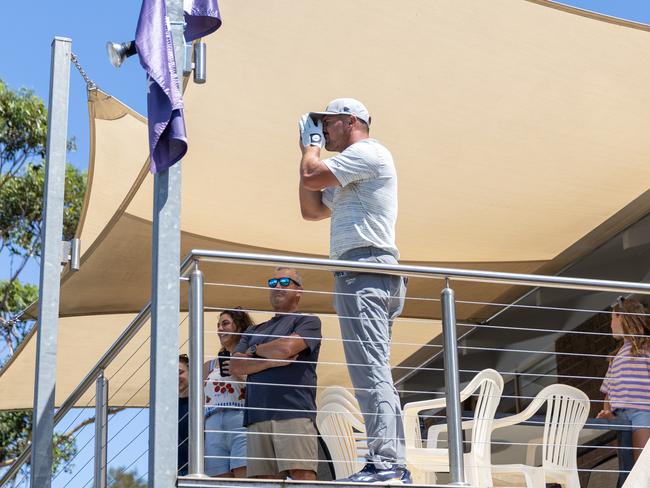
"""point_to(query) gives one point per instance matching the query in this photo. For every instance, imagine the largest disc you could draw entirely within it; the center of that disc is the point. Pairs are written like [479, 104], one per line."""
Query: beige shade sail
[82, 337]
[519, 133]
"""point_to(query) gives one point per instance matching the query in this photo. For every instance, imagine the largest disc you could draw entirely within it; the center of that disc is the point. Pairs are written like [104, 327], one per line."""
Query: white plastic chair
[640, 474]
[424, 462]
[338, 394]
[566, 413]
[345, 436]
[337, 391]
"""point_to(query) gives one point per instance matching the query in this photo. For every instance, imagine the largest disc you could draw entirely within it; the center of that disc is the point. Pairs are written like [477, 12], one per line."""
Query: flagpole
[165, 306]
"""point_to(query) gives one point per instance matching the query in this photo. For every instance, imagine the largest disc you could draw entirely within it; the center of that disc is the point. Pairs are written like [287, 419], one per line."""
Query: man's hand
[311, 134]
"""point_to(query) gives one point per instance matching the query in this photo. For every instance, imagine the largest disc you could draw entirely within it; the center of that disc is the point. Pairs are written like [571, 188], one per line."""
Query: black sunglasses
[284, 282]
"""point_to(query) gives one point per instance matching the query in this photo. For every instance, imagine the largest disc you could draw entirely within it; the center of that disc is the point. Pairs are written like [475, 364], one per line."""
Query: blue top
[183, 424]
[267, 397]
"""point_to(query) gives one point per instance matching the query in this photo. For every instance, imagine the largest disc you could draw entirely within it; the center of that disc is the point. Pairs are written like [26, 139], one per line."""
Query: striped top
[627, 383]
[222, 391]
[364, 207]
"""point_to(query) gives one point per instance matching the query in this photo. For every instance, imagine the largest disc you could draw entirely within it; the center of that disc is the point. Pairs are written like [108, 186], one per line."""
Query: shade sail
[519, 133]
[128, 374]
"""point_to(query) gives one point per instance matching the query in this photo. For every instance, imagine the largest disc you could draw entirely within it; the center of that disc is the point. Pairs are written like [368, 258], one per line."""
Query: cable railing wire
[113, 393]
[439, 347]
[436, 346]
[458, 300]
[417, 321]
[146, 428]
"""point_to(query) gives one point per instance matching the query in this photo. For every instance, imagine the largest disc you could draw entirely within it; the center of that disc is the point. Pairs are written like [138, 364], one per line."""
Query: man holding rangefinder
[357, 188]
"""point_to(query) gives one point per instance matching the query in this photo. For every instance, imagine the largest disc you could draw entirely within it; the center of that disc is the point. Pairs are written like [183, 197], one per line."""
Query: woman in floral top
[225, 435]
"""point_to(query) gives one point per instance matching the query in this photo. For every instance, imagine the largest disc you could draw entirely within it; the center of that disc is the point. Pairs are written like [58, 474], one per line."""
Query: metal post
[165, 306]
[452, 388]
[49, 282]
[101, 431]
[195, 441]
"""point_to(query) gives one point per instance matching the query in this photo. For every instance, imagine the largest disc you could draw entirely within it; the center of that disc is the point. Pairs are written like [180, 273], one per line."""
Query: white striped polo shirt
[364, 207]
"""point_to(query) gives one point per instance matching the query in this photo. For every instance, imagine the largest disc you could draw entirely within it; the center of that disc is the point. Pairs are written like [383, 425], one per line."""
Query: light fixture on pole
[118, 52]
[199, 62]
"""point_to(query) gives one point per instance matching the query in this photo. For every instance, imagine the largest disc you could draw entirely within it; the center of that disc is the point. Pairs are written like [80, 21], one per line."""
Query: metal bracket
[71, 253]
[187, 64]
[195, 60]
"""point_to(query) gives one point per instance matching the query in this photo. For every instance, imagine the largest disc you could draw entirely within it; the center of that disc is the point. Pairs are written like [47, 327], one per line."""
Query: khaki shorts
[272, 452]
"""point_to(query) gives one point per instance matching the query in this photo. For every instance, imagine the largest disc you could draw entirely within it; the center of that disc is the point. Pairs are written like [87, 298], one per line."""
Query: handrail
[415, 271]
[89, 379]
[329, 265]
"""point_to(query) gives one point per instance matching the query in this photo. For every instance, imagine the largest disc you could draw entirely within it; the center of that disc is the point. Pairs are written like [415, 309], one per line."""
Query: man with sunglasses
[279, 356]
[357, 188]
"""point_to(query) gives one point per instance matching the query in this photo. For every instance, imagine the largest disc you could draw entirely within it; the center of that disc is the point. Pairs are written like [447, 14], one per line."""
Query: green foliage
[15, 427]
[23, 130]
[125, 479]
[15, 296]
[23, 135]
[21, 206]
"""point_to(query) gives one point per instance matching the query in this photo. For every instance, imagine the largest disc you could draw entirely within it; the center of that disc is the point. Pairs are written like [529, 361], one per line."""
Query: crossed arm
[278, 352]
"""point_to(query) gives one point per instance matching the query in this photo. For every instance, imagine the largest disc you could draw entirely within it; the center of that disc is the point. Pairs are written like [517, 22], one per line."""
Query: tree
[125, 479]
[21, 207]
[23, 133]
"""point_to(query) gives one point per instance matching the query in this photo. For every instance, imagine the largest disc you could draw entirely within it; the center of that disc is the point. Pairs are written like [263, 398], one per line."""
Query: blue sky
[25, 60]
[26, 36]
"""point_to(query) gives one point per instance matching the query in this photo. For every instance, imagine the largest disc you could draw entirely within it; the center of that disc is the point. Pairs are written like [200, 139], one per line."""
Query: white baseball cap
[344, 106]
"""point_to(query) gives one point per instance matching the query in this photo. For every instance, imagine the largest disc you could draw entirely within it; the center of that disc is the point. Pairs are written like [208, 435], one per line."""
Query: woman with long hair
[627, 382]
[225, 434]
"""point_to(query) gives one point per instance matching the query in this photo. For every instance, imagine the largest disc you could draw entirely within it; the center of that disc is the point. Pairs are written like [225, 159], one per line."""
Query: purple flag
[201, 18]
[153, 40]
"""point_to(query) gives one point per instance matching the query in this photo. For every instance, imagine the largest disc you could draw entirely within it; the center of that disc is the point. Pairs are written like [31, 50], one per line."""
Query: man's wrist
[315, 150]
[252, 352]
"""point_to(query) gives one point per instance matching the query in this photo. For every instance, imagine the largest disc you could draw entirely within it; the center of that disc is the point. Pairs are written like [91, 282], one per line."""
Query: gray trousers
[367, 304]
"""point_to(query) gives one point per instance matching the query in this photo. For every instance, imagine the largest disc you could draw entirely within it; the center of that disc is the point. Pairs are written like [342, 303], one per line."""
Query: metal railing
[92, 376]
[190, 269]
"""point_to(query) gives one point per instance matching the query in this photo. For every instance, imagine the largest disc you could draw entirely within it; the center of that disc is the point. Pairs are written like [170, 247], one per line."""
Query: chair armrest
[511, 420]
[435, 430]
[414, 408]
[531, 450]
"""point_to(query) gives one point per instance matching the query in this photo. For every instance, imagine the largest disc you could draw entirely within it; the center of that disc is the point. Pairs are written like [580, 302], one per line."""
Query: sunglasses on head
[283, 282]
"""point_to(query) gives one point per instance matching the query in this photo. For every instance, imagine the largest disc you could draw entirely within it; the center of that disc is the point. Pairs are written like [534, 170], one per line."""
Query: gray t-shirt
[364, 207]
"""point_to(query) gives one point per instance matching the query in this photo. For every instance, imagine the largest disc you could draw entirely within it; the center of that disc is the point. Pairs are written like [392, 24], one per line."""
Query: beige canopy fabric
[519, 133]
[81, 338]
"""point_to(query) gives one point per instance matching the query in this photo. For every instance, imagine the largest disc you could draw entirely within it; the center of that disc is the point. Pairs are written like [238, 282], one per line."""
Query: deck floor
[191, 482]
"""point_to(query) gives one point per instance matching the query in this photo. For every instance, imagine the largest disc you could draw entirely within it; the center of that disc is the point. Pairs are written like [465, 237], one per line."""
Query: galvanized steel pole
[452, 388]
[195, 441]
[49, 282]
[101, 431]
[165, 305]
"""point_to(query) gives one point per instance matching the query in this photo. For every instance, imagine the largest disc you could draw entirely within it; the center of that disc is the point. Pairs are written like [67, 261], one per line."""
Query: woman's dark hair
[182, 358]
[635, 324]
[240, 318]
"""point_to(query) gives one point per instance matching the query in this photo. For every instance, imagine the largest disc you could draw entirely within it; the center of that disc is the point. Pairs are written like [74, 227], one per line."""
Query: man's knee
[302, 474]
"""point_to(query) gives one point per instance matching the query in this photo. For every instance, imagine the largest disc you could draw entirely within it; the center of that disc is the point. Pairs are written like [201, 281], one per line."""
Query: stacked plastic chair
[341, 426]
